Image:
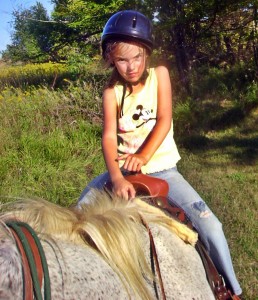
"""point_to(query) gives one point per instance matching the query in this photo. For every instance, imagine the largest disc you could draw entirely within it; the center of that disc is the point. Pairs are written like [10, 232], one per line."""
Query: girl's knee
[204, 219]
[209, 224]
[201, 209]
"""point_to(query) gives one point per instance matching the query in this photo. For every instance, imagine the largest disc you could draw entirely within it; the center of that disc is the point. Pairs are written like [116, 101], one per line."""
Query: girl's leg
[205, 222]
[96, 183]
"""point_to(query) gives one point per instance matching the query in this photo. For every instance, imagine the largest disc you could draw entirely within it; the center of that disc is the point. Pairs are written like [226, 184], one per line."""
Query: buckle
[219, 282]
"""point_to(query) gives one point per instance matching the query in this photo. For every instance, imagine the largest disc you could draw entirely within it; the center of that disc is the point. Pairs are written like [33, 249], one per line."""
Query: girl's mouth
[132, 75]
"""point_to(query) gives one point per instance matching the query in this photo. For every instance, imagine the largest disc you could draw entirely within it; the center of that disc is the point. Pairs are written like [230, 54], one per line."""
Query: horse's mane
[111, 227]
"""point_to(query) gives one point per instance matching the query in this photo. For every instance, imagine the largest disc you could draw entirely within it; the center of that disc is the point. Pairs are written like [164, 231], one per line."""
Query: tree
[84, 20]
[33, 35]
[189, 32]
[197, 32]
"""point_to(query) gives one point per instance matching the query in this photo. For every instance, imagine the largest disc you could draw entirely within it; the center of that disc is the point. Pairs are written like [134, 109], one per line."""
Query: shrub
[33, 74]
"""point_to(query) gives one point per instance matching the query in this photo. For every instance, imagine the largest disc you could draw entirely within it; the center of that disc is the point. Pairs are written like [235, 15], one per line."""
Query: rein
[156, 261]
[34, 264]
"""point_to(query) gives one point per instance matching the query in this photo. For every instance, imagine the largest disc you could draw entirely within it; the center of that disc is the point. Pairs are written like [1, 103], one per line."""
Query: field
[50, 148]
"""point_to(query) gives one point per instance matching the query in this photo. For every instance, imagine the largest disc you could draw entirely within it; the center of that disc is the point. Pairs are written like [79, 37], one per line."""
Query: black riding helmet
[128, 25]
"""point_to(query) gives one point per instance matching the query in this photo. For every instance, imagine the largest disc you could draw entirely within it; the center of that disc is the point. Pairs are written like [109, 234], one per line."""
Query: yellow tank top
[137, 119]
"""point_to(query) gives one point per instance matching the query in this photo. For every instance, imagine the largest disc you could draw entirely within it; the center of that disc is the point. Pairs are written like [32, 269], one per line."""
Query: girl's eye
[137, 58]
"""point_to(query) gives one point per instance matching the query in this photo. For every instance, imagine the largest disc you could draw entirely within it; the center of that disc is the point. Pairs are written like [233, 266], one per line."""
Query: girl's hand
[123, 188]
[133, 162]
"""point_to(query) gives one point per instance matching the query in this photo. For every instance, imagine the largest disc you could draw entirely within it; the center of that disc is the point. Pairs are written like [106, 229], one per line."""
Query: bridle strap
[155, 256]
[33, 259]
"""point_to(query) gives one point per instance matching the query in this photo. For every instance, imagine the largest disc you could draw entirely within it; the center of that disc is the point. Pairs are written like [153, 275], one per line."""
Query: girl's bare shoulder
[161, 71]
[109, 95]
[109, 91]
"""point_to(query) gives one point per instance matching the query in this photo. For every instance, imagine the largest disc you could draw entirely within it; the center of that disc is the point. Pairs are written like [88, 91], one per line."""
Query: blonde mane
[112, 227]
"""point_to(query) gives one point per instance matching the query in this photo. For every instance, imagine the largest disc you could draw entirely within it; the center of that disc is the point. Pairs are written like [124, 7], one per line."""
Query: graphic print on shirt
[137, 118]
[136, 123]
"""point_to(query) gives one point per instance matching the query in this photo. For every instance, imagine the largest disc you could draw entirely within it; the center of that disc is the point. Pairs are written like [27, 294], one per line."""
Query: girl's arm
[134, 162]
[121, 187]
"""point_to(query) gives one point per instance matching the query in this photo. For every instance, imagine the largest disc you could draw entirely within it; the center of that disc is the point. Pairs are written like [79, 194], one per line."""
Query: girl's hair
[115, 77]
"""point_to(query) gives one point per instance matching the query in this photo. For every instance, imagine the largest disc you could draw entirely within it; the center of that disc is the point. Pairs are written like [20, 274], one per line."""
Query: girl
[138, 130]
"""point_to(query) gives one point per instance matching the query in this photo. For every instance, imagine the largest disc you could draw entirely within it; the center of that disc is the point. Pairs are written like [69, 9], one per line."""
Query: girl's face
[130, 61]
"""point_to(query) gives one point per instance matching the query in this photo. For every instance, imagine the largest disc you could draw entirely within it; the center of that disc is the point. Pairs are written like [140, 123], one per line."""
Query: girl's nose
[131, 65]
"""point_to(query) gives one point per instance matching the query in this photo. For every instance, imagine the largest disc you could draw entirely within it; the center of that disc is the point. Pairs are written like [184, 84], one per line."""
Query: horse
[102, 251]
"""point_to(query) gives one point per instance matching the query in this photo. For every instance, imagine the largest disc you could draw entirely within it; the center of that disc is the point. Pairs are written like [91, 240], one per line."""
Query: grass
[223, 169]
[230, 191]
[50, 148]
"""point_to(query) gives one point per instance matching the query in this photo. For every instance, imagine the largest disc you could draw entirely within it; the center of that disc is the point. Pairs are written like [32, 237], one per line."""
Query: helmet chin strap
[126, 84]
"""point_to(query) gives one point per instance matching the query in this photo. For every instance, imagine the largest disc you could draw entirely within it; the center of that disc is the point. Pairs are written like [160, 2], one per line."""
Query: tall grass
[24, 76]
[50, 148]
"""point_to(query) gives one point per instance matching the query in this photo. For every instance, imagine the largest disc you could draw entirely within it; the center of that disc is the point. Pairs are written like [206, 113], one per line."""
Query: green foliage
[32, 36]
[221, 99]
[77, 62]
[81, 22]
[183, 116]
[251, 96]
[33, 74]
[220, 82]
[188, 34]
[217, 97]
[89, 14]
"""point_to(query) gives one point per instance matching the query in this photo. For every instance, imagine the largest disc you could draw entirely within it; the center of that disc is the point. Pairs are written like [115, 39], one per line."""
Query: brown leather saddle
[157, 190]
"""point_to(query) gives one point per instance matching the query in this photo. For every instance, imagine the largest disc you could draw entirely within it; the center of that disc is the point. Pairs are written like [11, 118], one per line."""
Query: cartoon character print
[127, 123]
[140, 118]
[145, 115]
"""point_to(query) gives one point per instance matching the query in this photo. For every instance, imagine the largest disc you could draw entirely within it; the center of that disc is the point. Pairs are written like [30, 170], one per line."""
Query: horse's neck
[10, 268]
[78, 268]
